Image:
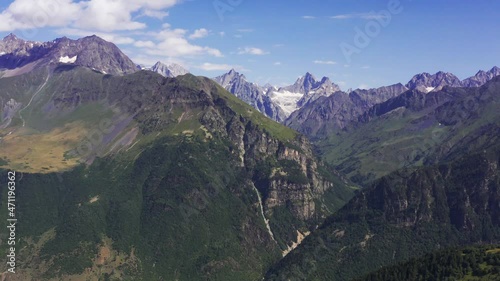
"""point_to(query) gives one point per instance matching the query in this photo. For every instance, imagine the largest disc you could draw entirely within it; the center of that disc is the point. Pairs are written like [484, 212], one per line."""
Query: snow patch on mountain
[288, 101]
[251, 93]
[67, 59]
[305, 90]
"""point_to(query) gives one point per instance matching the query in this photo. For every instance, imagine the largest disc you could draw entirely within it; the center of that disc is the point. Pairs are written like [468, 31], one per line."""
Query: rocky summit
[20, 56]
[171, 70]
[250, 93]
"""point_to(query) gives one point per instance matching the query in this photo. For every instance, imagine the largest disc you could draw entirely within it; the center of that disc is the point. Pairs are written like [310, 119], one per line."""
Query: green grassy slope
[416, 130]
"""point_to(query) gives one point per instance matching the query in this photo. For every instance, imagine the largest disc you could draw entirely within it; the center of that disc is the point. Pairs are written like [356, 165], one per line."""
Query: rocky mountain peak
[171, 70]
[306, 82]
[251, 93]
[11, 37]
[62, 39]
[480, 72]
[268, 86]
[325, 80]
[426, 82]
[231, 77]
[481, 77]
[92, 52]
[309, 77]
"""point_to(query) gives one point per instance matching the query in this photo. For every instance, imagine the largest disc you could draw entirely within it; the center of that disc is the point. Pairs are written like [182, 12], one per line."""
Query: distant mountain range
[320, 118]
[334, 112]
[19, 56]
[306, 89]
[251, 93]
[277, 103]
[426, 82]
[292, 105]
[298, 104]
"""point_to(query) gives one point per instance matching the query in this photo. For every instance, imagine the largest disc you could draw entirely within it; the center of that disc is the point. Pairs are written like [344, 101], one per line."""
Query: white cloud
[173, 43]
[117, 15]
[363, 87]
[155, 14]
[245, 30]
[215, 67]
[324, 62]
[341, 17]
[365, 16]
[108, 16]
[30, 14]
[222, 34]
[277, 63]
[251, 51]
[100, 15]
[308, 17]
[111, 37]
[199, 33]
[145, 44]
[168, 42]
[365, 67]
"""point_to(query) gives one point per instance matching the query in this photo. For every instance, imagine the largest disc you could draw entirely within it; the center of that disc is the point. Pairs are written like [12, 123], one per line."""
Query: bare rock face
[481, 77]
[250, 93]
[92, 52]
[304, 91]
[171, 70]
[426, 82]
[285, 172]
[335, 112]
[311, 88]
[10, 108]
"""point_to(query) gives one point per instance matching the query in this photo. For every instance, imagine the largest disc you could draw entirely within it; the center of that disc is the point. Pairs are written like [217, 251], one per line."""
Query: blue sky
[277, 41]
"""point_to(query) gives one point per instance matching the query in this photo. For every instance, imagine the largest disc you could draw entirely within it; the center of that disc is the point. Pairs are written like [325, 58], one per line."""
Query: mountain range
[251, 93]
[129, 173]
[306, 89]
[124, 165]
[426, 82]
[19, 56]
[309, 105]
[334, 112]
